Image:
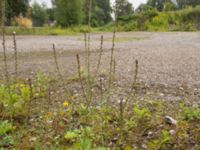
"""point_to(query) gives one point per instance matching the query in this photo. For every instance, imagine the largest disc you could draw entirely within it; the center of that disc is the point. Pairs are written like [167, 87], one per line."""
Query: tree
[100, 12]
[1, 13]
[104, 13]
[184, 3]
[158, 4]
[193, 2]
[124, 7]
[15, 8]
[161, 5]
[51, 14]
[39, 14]
[87, 10]
[68, 12]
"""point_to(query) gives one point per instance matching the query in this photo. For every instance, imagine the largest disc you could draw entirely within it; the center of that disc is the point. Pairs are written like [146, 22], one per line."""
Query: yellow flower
[66, 104]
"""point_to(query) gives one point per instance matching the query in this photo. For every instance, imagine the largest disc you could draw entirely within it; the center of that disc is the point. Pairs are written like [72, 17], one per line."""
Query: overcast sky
[136, 3]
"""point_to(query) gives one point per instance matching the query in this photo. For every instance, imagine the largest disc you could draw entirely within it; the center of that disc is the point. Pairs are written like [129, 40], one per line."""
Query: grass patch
[46, 30]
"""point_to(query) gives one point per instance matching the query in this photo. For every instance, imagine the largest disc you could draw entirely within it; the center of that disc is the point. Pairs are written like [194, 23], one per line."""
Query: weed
[5, 127]
[40, 85]
[100, 56]
[5, 139]
[161, 142]
[141, 113]
[80, 77]
[15, 100]
[190, 113]
[15, 55]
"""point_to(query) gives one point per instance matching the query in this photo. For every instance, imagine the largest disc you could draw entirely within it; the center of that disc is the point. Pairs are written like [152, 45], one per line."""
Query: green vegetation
[148, 19]
[68, 12]
[39, 15]
[47, 30]
[14, 98]
[14, 9]
[155, 15]
[72, 126]
[5, 128]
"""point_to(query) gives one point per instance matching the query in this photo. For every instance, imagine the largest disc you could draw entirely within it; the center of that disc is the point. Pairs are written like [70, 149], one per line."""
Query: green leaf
[5, 127]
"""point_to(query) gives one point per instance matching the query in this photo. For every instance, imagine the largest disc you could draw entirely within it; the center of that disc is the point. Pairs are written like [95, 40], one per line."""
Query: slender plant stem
[31, 88]
[89, 84]
[114, 67]
[101, 87]
[56, 60]
[58, 68]
[6, 74]
[111, 59]
[15, 56]
[31, 94]
[112, 49]
[85, 41]
[80, 78]
[136, 72]
[121, 112]
[134, 82]
[100, 56]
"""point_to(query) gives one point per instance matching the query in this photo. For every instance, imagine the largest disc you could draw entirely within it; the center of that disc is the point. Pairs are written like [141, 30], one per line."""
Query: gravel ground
[164, 58]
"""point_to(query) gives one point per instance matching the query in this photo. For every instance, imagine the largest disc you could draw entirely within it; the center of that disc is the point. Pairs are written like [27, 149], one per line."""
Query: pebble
[150, 133]
[33, 139]
[172, 132]
[169, 120]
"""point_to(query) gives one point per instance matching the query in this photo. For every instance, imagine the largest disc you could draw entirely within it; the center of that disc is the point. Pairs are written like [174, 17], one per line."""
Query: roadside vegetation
[39, 20]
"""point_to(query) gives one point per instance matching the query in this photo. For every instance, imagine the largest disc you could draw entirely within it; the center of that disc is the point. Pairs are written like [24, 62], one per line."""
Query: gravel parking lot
[164, 58]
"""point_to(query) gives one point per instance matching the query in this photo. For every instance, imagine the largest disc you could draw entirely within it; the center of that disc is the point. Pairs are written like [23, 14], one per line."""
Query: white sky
[136, 3]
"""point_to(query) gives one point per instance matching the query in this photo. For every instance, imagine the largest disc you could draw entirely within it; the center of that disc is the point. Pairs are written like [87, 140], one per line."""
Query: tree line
[70, 13]
[65, 12]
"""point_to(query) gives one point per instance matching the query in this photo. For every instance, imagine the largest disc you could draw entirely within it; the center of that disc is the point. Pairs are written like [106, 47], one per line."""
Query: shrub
[158, 23]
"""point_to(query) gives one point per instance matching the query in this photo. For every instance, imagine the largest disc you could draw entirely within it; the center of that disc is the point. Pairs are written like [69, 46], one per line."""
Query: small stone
[121, 100]
[161, 94]
[49, 121]
[144, 146]
[33, 139]
[172, 132]
[161, 126]
[169, 120]
[150, 133]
